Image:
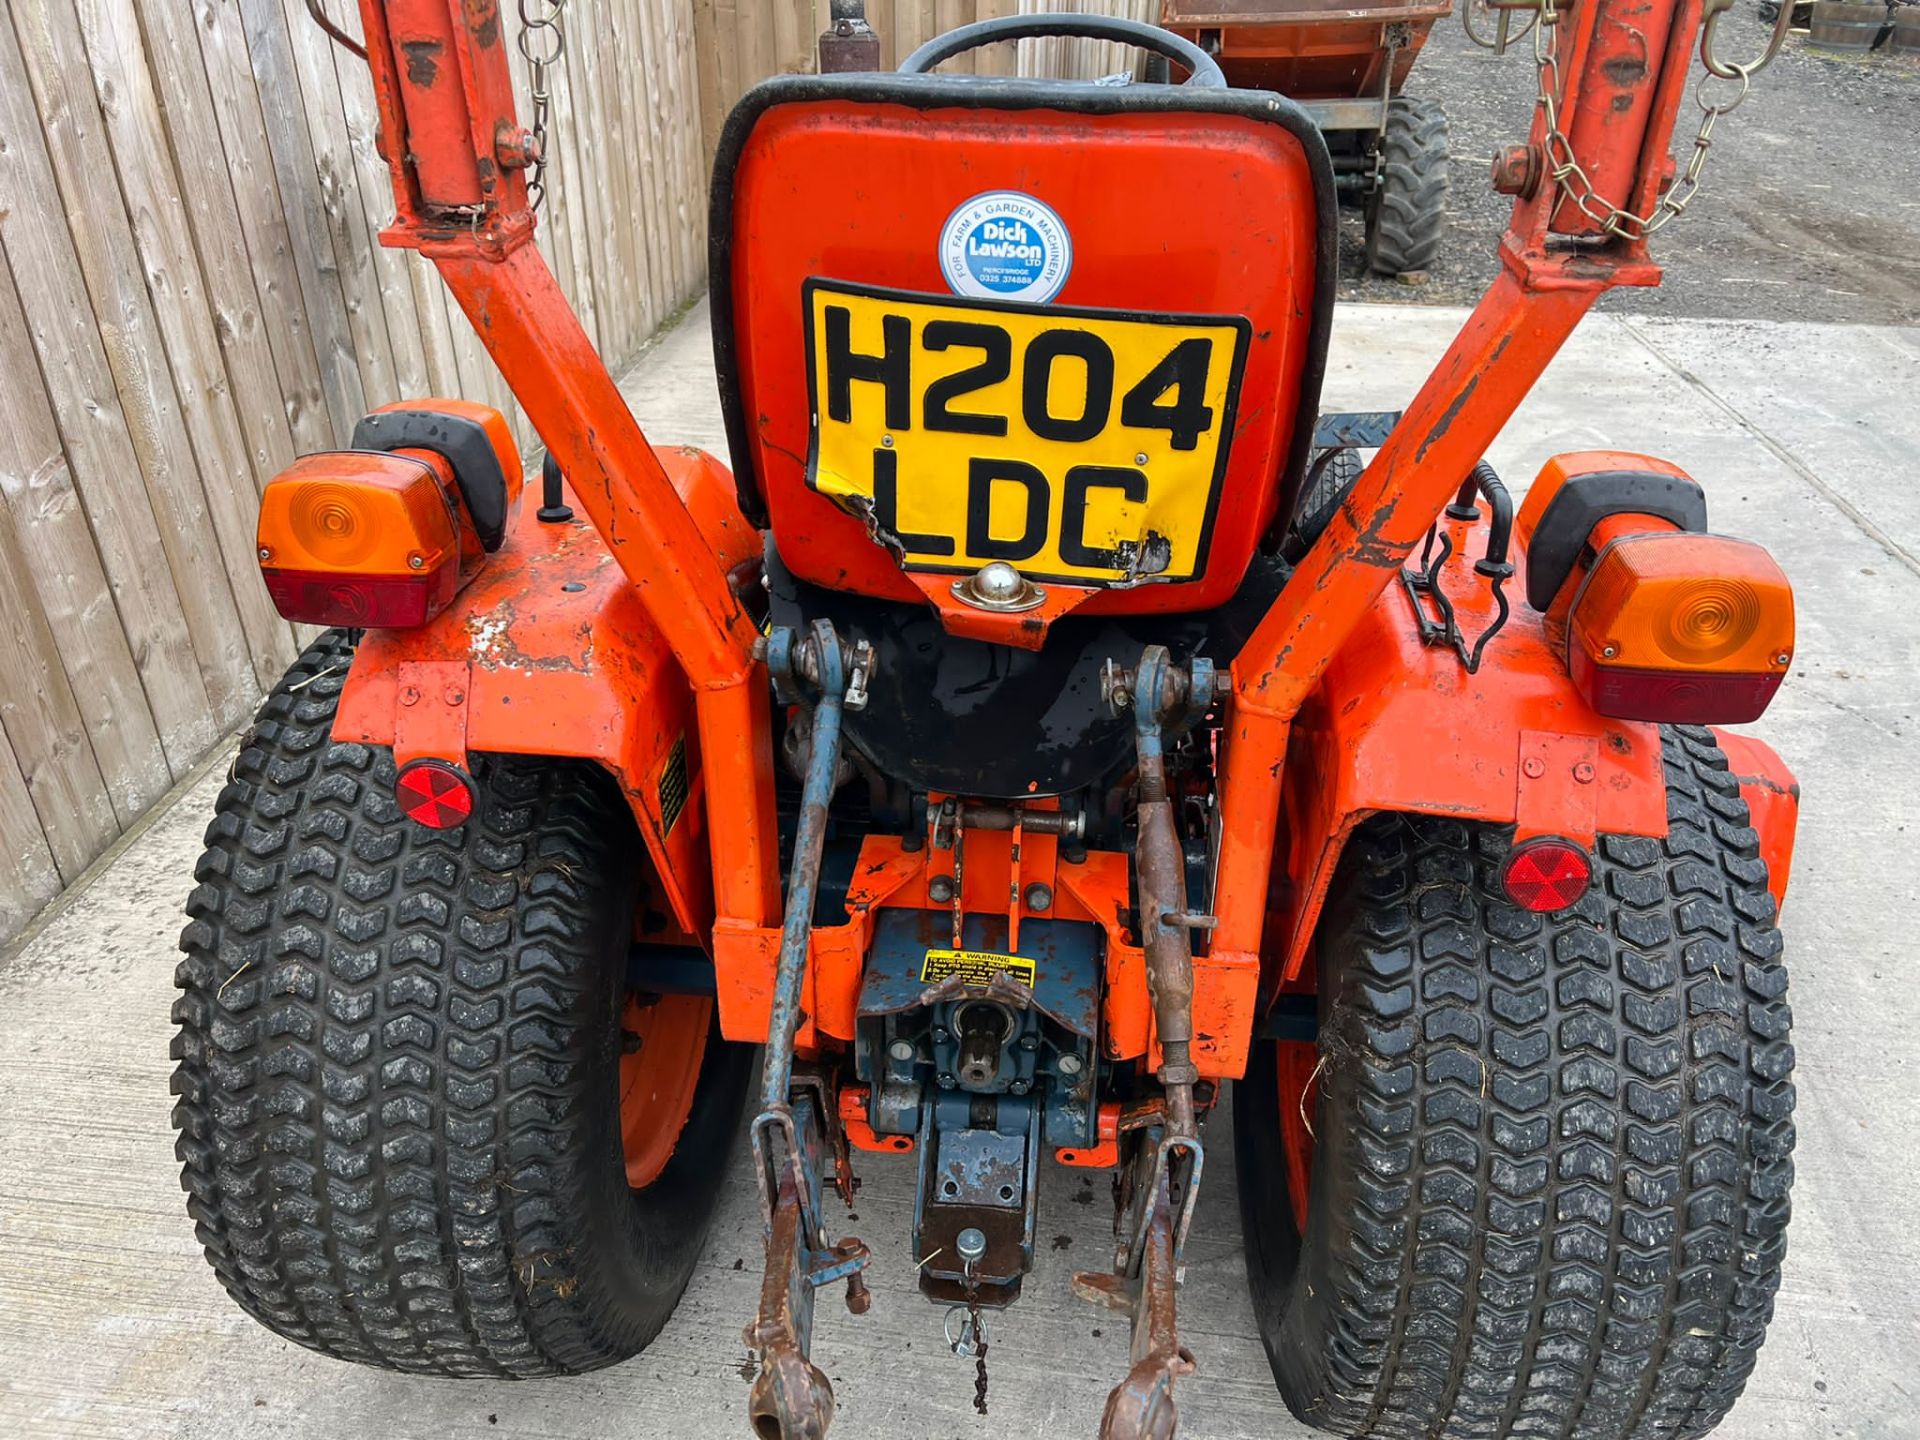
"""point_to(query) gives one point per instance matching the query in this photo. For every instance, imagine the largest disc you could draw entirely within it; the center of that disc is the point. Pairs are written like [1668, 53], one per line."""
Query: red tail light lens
[434, 794]
[1546, 874]
[363, 601]
[1676, 697]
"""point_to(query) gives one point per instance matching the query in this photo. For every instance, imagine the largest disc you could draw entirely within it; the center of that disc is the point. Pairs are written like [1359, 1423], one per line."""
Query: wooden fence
[192, 292]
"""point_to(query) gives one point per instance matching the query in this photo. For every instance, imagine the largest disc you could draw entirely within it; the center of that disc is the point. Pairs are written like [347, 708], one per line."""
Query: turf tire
[397, 1053]
[1553, 1152]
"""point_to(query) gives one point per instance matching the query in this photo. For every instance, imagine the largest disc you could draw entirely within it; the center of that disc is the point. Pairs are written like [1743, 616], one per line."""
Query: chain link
[543, 42]
[1565, 167]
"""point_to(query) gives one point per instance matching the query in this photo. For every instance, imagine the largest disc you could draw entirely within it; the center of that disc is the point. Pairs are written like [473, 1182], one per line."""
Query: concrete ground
[1805, 436]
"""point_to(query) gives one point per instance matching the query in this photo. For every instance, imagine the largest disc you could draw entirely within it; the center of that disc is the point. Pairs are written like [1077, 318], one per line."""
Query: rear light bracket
[1584, 501]
[1557, 785]
[430, 711]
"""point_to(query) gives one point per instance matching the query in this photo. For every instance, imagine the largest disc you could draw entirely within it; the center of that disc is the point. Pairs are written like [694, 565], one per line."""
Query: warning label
[975, 967]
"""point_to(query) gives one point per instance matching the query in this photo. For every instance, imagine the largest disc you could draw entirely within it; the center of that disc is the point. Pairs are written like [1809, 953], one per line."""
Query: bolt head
[1039, 897]
[998, 581]
[901, 1050]
[416, 562]
[1583, 772]
[940, 889]
[1070, 1064]
[1533, 767]
[266, 552]
[971, 1244]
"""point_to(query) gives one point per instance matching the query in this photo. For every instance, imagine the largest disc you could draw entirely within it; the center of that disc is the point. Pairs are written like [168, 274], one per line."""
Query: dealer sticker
[976, 968]
[1004, 245]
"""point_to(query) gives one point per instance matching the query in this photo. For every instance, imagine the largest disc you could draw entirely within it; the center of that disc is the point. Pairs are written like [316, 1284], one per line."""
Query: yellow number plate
[1081, 446]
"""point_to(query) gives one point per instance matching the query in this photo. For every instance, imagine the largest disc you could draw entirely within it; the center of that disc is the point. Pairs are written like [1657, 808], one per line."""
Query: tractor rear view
[1025, 740]
[1346, 65]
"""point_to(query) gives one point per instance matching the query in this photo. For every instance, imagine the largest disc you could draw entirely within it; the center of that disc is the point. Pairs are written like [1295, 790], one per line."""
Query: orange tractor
[1022, 746]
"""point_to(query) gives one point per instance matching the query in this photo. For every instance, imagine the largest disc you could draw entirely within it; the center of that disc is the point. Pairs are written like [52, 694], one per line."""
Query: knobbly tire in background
[398, 1048]
[1407, 213]
[1552, 1153]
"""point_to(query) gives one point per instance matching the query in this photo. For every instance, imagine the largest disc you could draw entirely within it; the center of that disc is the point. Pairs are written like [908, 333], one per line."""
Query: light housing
[1546, 873]
[1681, 628]
[363, 539]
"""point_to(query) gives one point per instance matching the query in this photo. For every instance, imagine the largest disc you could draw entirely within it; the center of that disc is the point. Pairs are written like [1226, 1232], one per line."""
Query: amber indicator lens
[1682, 628]
[1546, 874]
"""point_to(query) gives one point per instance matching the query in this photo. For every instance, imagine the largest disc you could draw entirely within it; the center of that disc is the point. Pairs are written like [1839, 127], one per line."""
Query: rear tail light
[1546, 874]
[434, 794]
[361, 539]
[1682, 628]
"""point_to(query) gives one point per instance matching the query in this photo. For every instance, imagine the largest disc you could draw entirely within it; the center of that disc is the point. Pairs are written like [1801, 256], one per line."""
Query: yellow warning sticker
[975, 967]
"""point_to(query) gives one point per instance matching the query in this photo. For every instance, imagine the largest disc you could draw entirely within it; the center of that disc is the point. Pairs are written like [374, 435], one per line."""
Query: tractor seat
[1075, 329]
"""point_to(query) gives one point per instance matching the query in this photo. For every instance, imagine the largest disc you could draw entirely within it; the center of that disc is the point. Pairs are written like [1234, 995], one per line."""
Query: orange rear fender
[1773, 802]
[550, 652]
[1398, 726]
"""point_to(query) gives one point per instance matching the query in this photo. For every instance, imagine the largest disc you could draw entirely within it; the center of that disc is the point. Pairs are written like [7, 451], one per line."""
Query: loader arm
[458, 158]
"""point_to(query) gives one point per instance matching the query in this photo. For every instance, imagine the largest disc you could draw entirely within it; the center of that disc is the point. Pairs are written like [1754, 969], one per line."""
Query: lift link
[1164, 1181]
[791, 1398]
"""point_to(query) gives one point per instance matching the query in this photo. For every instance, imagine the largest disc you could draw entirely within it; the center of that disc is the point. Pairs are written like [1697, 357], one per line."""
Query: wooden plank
[654, 157]
[714, 103]
[270, 162]
[339, 123]
[28, 876]
[80, 286]
[694, 158]
[994, 59]
[793, 36]
[666, 177]
[331, 187]
[57, 554]
[569, 181]
[43, 723]
[275, 377]
[951, 15]
[753, 35]
[181, 298]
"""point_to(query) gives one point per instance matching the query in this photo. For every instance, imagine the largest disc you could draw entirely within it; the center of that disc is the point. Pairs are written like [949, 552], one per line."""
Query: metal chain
[543, 42]
[979, 1359]
[1564, 166]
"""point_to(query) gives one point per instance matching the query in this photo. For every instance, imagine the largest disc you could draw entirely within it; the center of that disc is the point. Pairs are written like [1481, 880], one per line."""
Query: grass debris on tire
[402, 1054]
[1407, 215]
[1550, 1154]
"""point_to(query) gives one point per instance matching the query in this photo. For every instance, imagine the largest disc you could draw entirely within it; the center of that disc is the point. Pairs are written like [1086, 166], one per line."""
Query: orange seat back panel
[1216, 206]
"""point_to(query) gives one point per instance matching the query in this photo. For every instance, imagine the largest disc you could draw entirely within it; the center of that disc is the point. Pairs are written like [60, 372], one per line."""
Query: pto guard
[550, 652]
[1398, 726]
